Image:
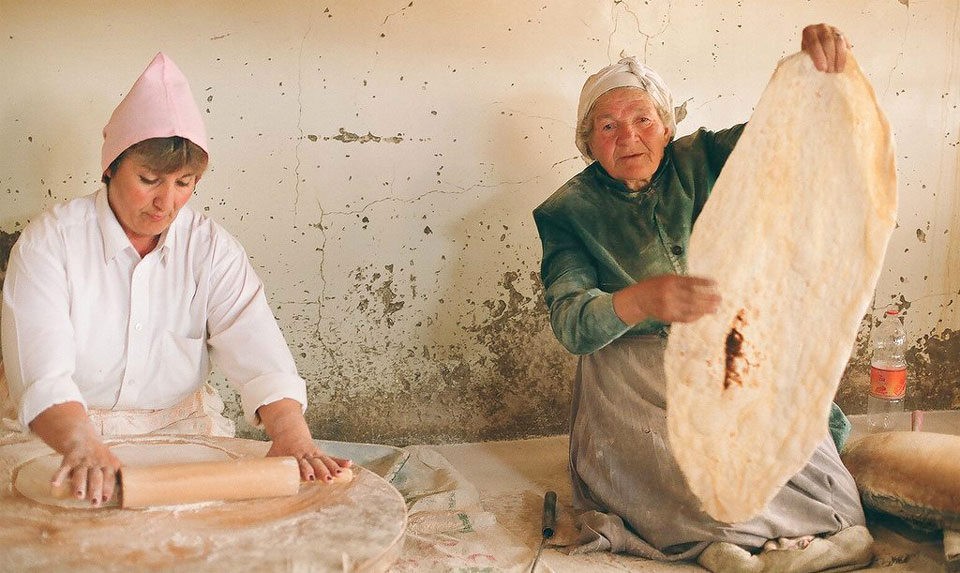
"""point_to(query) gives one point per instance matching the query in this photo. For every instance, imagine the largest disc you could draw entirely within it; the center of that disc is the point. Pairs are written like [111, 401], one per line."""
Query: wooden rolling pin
[194, 482]
[175, 484]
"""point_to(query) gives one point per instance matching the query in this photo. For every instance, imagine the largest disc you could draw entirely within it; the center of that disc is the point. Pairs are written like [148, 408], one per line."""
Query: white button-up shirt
[86, 319]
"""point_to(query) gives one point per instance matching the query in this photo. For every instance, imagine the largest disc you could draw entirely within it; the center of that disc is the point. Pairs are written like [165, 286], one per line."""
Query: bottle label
[889, 384]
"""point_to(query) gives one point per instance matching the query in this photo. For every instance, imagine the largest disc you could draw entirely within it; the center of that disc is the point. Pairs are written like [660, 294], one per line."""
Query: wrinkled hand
[284, 423]
[667, 298]
[826, 45]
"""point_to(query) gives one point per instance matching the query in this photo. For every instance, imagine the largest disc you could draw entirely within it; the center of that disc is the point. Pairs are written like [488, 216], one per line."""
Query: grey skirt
[622, 466]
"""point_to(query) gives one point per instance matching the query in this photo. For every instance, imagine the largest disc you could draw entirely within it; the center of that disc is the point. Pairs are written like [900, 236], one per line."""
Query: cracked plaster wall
[380, 159]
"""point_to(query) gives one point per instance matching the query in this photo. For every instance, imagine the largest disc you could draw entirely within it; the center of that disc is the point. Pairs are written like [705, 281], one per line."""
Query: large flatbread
[795, 234]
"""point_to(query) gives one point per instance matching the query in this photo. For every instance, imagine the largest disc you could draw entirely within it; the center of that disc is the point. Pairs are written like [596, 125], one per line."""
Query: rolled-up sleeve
[38, 338]
[246, 344]
[581, 314]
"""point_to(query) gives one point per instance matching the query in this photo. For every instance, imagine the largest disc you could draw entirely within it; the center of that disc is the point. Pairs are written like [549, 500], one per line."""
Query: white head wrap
[628, 72]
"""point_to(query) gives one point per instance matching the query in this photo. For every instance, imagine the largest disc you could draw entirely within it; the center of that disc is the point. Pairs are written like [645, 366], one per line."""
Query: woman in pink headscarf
[114, 305]
[614, 271]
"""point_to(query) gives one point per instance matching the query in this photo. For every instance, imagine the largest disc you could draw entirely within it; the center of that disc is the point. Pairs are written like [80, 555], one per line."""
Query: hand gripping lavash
[795, 233]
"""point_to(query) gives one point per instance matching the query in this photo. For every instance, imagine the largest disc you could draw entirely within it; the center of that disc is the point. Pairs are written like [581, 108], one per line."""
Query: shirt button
[138, 327]
[677, 250]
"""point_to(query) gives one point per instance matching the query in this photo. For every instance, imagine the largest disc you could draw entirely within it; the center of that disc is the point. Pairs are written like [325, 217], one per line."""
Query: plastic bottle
[888, 373]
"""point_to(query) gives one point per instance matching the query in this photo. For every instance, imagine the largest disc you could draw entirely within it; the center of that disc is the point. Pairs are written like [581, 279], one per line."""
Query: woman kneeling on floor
[614, 245]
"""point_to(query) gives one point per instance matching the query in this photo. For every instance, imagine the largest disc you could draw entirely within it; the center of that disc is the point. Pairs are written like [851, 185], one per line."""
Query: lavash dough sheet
[794, 233]
[286, 533]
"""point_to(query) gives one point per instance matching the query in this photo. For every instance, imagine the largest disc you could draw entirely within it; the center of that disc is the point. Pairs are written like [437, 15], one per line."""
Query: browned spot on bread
[734, 353]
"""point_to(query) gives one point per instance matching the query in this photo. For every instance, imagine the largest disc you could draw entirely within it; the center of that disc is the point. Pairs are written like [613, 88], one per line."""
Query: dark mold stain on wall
[509, 378]
[347, 137]
[522, 387]
[436, 393]
[519, 388]
[512, 379]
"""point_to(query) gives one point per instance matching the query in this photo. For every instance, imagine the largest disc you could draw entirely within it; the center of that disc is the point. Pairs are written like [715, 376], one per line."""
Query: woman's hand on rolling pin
[284, 423]
[91, 469]
[667, 298]
[88, 465]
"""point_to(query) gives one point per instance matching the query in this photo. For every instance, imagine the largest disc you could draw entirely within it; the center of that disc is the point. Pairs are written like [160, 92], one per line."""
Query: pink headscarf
[160, 104]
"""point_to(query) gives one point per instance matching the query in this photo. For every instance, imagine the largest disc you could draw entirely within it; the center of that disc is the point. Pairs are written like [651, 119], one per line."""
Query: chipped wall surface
[380, 161]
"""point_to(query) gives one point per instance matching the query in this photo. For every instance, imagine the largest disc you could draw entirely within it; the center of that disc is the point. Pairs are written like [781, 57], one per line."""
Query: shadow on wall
[6, 243]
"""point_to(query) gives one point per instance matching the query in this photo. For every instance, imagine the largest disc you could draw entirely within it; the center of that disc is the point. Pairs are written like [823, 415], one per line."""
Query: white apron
[199, 413]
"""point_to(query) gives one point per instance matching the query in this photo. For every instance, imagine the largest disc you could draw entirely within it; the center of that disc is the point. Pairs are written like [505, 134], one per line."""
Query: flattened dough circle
[358, 525]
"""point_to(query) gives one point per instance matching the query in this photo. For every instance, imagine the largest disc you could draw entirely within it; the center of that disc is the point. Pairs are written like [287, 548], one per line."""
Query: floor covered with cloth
[477, 507]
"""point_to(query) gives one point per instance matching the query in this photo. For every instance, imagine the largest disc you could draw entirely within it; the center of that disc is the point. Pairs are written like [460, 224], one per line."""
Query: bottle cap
[892, 312]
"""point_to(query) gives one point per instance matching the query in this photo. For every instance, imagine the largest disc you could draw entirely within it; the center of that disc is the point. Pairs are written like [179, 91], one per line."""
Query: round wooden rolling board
[355, 526]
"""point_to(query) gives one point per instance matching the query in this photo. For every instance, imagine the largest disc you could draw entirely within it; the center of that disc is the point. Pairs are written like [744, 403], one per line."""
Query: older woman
[614, 243]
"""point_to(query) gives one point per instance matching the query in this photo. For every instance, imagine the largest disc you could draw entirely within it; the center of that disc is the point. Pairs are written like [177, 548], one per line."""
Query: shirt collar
[168, 239]
[115, 240]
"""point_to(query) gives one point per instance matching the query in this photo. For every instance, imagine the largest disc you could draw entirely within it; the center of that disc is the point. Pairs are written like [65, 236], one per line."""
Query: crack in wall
[323, 279]
[296, 149]
[398, 199]
[320, 225]
[636, 19]
[392, 14]
[414, 199]
[565, 160]
[498, 184]
[896, 65]
[519, 113]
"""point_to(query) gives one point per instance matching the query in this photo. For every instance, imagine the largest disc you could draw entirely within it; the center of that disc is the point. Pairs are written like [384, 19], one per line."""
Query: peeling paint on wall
[517, 385]
[380, 160]
[347, 137]
[933, 374]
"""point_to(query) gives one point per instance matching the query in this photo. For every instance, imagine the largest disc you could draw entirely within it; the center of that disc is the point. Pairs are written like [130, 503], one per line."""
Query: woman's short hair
[165, 155]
